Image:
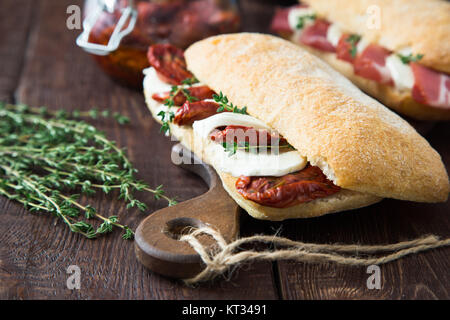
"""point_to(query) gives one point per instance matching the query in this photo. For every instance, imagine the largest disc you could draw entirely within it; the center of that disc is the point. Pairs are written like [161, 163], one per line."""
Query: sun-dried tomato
[289, 190]
[200, 92]
[169, 63]
[193, 111]
[250, 135]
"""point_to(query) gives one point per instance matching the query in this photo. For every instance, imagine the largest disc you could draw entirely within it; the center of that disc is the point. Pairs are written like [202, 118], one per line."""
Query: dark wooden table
[41, 65]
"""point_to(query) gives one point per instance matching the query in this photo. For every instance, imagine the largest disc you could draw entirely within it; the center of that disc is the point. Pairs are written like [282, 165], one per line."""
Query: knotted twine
[223, 256]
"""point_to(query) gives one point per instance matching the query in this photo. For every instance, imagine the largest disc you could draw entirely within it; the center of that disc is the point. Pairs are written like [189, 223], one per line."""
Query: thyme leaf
[168, 116]
[222, 100]
[233, 147]
[353, 40]
[303, 19]
[406, 59]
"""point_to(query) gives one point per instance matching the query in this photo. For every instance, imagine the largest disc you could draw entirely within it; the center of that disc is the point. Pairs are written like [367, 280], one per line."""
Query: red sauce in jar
[178, 22]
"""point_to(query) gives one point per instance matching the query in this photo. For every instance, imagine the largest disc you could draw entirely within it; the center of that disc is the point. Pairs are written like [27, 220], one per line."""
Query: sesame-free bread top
[423, 25]
[357, 142]
[399, 100]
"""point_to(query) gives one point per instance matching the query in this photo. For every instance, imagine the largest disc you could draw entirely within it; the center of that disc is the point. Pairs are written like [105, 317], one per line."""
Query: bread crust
[401, 101]
[421, 25]
[342, 201]
[358, 143]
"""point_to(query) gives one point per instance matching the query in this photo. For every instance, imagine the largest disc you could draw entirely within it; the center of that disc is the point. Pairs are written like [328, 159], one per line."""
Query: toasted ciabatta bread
[423, 26]
[400, 101]
[360, 145]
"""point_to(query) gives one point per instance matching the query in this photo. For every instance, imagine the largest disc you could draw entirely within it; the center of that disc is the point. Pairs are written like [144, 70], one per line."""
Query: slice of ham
[315, 36]
[430, 87]
[280, 22]
[371, 64]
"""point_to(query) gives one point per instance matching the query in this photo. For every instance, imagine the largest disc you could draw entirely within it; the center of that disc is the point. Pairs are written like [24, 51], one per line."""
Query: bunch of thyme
[46, 156]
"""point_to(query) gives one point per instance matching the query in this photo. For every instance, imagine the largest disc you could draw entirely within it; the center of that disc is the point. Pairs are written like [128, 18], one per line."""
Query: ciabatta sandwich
[309, 142]
[398, 51]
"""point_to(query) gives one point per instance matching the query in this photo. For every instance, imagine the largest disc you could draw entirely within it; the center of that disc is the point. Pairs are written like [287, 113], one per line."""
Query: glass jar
[118, 32]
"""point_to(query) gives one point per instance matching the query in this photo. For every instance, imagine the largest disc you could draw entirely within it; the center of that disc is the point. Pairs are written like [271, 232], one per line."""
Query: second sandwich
[398, 51]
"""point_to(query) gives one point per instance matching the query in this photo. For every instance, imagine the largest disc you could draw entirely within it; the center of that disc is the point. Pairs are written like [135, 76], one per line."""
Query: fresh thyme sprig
[222, 100]
[232, 148]
[175, 90]
[303, 19]
[353, 41]
[406, 59]
[168, 116]
[45, 157]
[190, 81]
[93, 113]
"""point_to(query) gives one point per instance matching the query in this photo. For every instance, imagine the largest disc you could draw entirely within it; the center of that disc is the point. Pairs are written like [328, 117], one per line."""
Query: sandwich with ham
[397, 51]
[288, 135]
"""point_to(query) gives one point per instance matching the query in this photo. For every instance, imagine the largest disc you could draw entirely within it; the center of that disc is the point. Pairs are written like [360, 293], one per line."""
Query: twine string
[223, 256]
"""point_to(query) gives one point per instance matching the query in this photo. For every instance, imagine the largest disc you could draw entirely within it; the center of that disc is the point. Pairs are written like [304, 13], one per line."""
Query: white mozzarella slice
[266, 162]
[334, 34]
[204, 127]
[256, 164]
[401, 73]
[296, 13]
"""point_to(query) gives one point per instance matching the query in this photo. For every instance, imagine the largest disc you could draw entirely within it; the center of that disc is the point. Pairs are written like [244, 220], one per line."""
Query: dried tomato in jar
[178, 22]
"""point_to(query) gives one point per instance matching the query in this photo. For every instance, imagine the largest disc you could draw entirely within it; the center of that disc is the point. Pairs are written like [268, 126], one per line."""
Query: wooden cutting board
[156, 241]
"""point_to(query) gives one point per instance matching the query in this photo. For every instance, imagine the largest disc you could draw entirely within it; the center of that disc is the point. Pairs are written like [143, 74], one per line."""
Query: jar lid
[129, 15]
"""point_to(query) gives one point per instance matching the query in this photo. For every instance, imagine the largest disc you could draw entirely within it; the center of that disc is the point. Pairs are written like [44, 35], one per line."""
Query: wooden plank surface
[44, 67]
[13, 44]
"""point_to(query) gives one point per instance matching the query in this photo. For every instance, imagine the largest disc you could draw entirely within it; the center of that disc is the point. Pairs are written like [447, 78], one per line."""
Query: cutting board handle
[156, 240]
